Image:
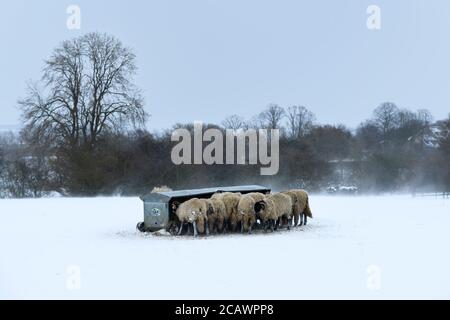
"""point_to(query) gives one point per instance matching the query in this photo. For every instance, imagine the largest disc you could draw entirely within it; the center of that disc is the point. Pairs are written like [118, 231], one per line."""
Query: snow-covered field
[356, 247]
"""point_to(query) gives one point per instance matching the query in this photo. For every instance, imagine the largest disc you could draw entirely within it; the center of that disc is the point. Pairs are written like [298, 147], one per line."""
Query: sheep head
[174, 206]
[260, 206]
[210, 209]
[198, 216]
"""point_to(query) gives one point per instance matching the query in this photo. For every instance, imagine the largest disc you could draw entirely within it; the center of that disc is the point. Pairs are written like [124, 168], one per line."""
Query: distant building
[343, 170]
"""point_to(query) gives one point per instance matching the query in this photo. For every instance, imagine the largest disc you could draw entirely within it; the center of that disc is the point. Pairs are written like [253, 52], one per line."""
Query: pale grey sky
[207, 59]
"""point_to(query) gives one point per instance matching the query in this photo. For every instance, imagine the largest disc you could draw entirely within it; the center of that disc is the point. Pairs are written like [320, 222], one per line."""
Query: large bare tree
[86, 88]
[272, 117]
[386, 116]
[300, 120]
[234, 122]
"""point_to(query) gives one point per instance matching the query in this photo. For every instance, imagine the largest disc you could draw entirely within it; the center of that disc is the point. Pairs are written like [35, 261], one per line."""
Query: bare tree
[300, 120]
[272, 116]
[386, 116]
[424, 116]
[233, 122]
[86, 89]
[405, 116]
[443, 135]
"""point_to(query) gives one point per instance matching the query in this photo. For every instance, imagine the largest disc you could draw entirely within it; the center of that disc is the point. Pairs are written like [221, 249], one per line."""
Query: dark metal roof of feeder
[166, 196]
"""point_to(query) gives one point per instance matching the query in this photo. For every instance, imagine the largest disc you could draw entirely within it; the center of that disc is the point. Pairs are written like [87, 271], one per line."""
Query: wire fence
[443, 194]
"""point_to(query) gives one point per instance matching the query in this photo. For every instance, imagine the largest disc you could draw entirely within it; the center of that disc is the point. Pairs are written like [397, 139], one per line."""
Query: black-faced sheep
[193, 211]
[266, 213]
[260, 204]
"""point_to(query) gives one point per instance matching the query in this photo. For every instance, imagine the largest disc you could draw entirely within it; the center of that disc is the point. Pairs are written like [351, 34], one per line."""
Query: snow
[356, 247]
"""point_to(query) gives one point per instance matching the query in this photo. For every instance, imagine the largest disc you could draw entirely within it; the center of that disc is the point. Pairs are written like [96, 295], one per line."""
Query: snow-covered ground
[356, 247]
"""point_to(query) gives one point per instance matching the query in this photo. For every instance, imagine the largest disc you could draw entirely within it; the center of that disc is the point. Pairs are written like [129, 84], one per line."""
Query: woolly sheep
[296, 211]
[245, 214]
[283, 208]
[260, 199]
[231, 201]
[192, 211]
[303, 205]
[216, 214]
[266, 213]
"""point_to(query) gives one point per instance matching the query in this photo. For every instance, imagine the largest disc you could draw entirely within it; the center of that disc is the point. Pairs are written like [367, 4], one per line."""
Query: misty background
[358, 109]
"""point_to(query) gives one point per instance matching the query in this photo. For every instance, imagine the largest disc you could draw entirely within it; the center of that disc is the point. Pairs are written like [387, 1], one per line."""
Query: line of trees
[395, 150]
[83, 135]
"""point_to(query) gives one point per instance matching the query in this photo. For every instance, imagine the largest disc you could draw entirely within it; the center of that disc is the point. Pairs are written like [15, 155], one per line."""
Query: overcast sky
[207, 59]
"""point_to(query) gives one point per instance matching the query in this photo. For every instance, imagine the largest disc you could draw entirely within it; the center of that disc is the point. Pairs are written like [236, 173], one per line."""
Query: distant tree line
[83, 135]
[395, 150]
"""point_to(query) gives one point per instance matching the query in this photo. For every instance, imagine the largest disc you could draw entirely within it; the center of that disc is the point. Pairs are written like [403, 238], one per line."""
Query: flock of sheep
[228, 211]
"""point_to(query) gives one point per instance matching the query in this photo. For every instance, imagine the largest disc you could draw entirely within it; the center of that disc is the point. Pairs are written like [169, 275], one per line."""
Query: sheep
[231, 201]
[245, 214]
[257, 196]
[303, 205]
[216, 214]
[296, 211]
[266, 213]
[260, 203]
[210, 214]
[283, 208]
[192, 211]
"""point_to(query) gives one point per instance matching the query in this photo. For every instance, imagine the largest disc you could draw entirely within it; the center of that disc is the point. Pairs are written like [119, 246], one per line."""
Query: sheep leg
[289, 223]
[250, 229]
[194, 224]
[207, 228]
[242, 227]
[181, 229]
[301, 219]
[271, 224]
[296, 219]
[264, 226]
[306, 218]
